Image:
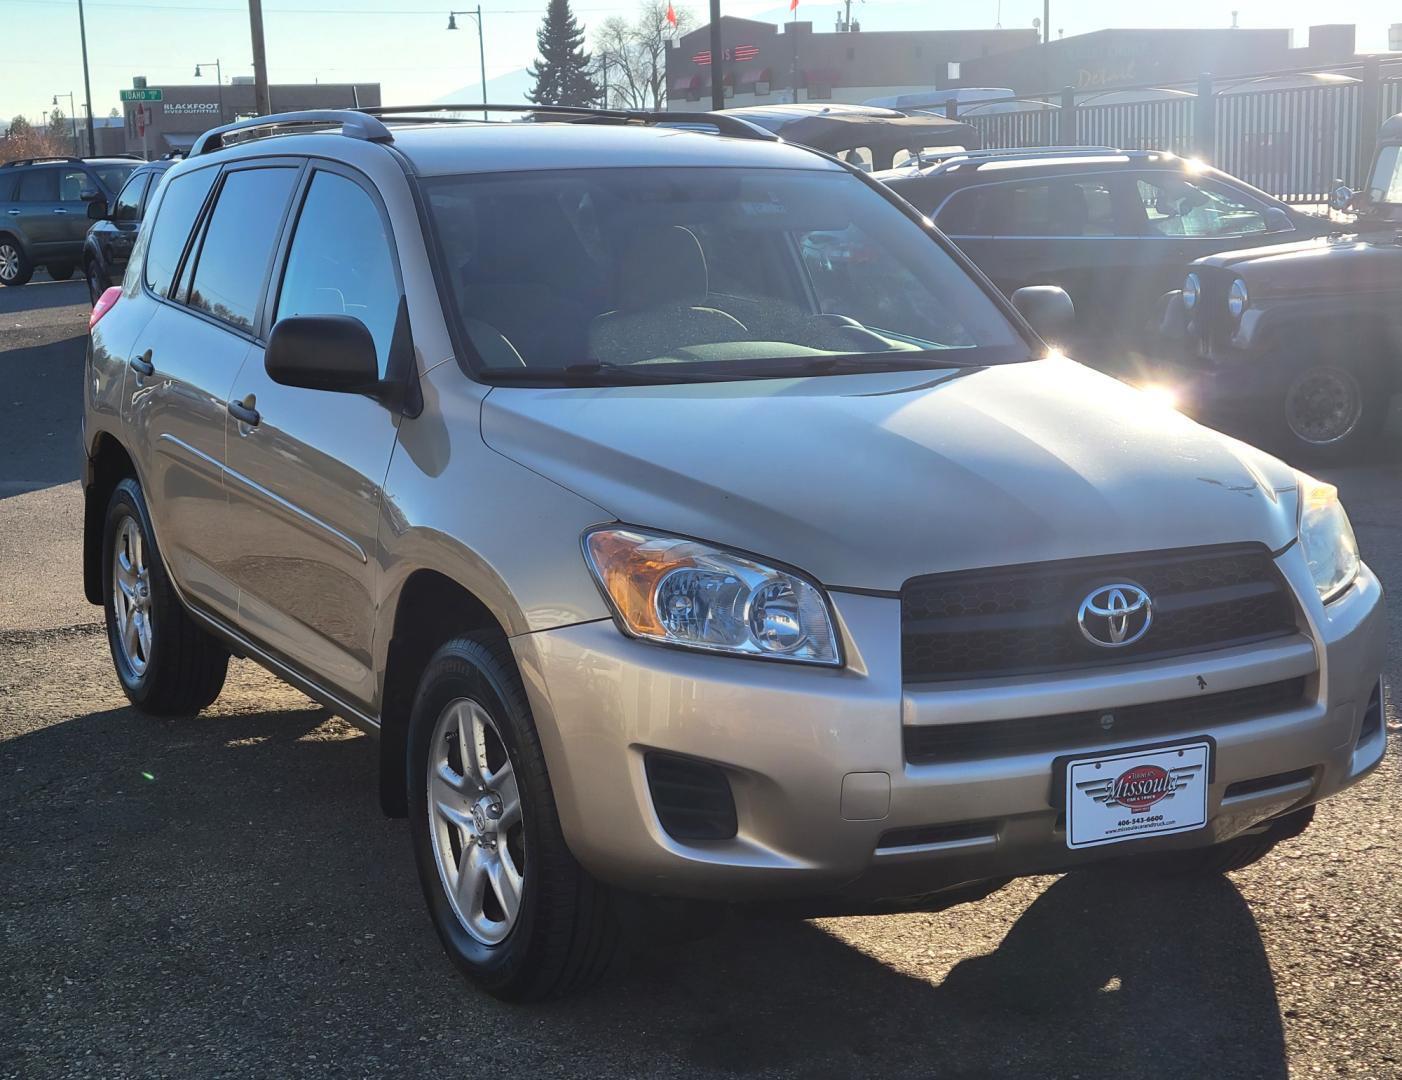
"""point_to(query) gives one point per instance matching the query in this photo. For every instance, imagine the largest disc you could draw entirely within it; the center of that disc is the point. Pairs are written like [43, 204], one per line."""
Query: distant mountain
[508, 89]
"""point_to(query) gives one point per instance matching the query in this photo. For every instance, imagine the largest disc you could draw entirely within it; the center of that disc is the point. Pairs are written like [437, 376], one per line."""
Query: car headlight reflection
[682, 592]
[1192, 290]
[1327, 538]
[1237, 298]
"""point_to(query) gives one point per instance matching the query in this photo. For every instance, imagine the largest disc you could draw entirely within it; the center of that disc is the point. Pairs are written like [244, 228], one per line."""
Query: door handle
[142, 364]
[59, 210]
[12, 213]
[244, 412]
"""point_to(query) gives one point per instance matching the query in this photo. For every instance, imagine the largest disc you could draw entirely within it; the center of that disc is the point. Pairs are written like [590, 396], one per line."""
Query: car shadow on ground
[223, 891]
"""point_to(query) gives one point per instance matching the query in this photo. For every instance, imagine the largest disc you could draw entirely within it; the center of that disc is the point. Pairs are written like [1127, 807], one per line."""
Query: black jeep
[1301, 343]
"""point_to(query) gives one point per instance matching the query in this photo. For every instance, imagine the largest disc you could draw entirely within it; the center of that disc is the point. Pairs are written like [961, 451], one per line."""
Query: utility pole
[87, 82]
[261, 104]
[717, 62]
[1046, 22]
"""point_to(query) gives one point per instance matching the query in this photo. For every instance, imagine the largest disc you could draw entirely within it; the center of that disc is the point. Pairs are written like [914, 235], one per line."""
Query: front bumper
[827, 804]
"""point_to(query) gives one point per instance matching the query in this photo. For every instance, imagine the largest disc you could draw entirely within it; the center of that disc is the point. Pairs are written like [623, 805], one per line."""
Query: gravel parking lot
[221, 896]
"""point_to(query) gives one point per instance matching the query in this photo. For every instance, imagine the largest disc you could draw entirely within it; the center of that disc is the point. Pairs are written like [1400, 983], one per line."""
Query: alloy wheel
[475, 821]
[1324, 405]
[9, 262]
[131, 596]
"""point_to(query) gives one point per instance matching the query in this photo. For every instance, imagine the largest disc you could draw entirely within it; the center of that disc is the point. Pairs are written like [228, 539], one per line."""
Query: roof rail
[54, 159]
[977, 158]
[723, 124]
[369, 123]
[352, 122]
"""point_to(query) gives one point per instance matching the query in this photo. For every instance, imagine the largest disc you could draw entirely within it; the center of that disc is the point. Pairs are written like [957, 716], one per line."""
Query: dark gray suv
[44, 211]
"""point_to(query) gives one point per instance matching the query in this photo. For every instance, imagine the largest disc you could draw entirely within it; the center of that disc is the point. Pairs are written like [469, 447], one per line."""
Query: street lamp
[481, 48]
[219, 78]
[72, 120]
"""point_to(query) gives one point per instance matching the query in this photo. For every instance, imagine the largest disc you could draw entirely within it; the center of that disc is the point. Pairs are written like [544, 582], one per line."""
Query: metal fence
[1296, 142]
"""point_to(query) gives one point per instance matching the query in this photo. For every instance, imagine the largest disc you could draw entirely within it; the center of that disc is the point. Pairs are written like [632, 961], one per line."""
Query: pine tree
[562, 72]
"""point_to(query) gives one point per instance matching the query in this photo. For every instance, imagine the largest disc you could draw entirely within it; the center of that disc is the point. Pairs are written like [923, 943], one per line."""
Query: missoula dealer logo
[1140, 787]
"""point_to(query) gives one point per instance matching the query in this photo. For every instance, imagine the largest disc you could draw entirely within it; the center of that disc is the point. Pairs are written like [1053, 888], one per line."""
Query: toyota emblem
[1115, 615]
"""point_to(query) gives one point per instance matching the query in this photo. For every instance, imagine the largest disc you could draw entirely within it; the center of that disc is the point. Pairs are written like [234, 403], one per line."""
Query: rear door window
[38, 185]
[1061, 207]
[341, 261]
[238, 244]
[175, 216]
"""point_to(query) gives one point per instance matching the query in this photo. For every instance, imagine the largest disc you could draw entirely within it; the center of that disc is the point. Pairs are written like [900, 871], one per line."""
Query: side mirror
[97, 208]
[1277, 220]
[1047, 308]
[1341, 197]
[323, 352]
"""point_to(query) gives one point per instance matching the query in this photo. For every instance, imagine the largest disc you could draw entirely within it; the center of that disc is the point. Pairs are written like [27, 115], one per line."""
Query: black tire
[182, 668]
[566, 933]
[1235, 854]
[60, 271]
[15, 267]
[97, 283]
[1326, 410]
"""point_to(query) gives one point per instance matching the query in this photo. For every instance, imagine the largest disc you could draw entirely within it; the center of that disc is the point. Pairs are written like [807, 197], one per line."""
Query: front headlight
[683, 592]
[1237, 298]
[1192, 289]
[1327, 538]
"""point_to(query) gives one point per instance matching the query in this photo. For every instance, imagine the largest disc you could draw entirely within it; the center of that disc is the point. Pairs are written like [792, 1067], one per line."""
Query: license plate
[1137, 793]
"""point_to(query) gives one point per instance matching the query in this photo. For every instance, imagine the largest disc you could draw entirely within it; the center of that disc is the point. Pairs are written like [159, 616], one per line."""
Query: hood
[867, 480]
[1358, 262]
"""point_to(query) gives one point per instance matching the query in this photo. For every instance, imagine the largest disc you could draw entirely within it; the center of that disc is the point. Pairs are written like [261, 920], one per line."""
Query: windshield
[114, 176]
[664, 273]
[1386, 184]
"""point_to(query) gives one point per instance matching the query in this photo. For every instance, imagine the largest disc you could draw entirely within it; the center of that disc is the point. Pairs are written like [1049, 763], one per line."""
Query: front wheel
[513, 909]
[1327, 411]
[97, 283]
[61, 271]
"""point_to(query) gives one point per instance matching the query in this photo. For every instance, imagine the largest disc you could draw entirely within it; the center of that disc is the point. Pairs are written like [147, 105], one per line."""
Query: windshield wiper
[857, 363]
[597, 373]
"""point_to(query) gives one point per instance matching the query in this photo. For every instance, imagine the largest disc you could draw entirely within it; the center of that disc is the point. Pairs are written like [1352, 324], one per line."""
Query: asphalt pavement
[221, 896]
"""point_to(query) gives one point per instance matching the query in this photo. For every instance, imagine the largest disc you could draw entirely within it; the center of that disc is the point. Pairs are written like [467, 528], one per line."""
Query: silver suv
[691, 521]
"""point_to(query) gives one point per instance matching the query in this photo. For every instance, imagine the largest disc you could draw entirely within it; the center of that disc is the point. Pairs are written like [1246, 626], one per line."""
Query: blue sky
[404, 45]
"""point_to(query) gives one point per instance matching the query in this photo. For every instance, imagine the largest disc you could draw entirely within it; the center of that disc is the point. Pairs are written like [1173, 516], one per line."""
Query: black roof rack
[370, 123]
[973, 159]
[352, 122]
[55, 159]
[732, 126]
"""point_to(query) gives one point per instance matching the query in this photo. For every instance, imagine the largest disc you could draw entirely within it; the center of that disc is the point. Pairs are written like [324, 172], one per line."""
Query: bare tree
[23, 140]
[630, 58]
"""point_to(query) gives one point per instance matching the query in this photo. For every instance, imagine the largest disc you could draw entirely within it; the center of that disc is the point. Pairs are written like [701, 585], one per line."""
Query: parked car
[112, 231]
[1115, 229]
[673, 559]
[1301, 343]
[44, 213]
[872, 139]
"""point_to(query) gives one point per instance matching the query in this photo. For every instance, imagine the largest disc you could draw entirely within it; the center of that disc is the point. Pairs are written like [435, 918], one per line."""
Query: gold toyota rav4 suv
[690, 520]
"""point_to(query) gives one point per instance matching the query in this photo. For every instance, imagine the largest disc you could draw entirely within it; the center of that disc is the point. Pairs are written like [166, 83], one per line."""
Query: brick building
[186, 112]
[764, 63]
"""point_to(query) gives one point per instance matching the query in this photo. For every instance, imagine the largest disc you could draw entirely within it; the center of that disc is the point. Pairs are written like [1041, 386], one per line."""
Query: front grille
[938, 743]
[692, 798]
[1022, 619]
